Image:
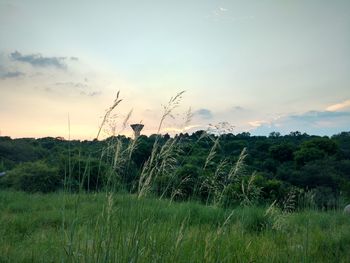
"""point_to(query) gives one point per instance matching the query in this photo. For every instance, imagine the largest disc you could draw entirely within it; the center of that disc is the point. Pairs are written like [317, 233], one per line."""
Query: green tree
[34, 177]
[282, 152]
[305, 155]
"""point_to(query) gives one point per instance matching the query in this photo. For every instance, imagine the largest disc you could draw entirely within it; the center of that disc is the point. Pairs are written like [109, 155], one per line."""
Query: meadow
[253, 166]
[211, 196]
[102, 227]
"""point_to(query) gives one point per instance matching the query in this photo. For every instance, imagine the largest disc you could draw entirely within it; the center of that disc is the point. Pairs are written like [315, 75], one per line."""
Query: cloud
[94, 93]
[204, 113]
[223, 14]
[37, 60]
[82, 88]
[237, 108]
[175, 130]
[312, 122]
[223, 9]
[78, 85]
[68, 89]
[257, 123]
[339, 106]
[11, 74]
[312, 116]
[220, 11]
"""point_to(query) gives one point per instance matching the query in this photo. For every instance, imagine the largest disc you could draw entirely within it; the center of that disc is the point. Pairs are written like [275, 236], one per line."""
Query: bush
[33, 177]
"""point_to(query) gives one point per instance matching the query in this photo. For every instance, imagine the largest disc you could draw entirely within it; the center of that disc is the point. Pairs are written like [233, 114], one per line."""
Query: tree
[315, 149]
[34, 177]
[274, 135]
[282, 152]
[324, 144]
[305, 155]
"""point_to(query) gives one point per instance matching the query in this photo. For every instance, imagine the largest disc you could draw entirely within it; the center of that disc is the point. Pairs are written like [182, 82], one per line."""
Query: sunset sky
[260, 65]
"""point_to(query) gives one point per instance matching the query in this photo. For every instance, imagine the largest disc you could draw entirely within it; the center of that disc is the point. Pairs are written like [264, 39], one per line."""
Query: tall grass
[123, 228]
[134, 227]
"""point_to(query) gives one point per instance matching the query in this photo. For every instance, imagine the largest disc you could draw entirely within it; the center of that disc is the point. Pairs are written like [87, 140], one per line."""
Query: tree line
[223, 169]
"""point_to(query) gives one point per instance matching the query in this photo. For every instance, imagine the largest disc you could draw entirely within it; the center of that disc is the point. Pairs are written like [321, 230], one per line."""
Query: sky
[260, 66]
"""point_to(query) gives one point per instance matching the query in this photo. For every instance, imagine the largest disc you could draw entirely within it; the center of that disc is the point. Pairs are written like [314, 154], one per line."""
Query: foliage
[195, 166]
[282, 152]
[61, 227]
[33, 177]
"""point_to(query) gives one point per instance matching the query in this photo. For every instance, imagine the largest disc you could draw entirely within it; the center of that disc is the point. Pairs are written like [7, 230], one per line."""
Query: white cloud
[218, 12]
[339, 106]
[257, 123]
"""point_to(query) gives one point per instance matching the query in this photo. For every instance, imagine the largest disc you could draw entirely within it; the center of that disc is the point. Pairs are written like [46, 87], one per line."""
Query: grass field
[62, 227]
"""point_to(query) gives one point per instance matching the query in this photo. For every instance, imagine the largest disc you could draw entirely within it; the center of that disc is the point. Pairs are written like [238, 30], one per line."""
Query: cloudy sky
[259, 65]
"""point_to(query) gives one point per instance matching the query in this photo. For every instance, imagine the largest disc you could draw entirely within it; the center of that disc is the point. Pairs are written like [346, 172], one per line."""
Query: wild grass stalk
[162, 158]
[108, 113]
[212, 152]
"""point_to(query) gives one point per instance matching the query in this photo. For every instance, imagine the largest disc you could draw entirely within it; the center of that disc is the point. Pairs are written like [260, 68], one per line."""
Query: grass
[110, 227]
[61, 227]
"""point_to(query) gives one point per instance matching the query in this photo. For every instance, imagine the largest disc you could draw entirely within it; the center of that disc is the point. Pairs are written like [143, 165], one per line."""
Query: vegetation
[243, 198]
[199, 166]
[33, 177]
[122, 228]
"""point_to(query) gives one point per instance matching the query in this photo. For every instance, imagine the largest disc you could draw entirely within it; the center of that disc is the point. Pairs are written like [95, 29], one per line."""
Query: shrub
[34, 177]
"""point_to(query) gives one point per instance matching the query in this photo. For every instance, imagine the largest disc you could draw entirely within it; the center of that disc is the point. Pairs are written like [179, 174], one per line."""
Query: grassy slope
[94, 228]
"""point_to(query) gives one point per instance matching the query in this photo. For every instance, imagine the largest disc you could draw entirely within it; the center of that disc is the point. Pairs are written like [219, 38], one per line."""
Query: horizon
[178, 134]
[260, 66]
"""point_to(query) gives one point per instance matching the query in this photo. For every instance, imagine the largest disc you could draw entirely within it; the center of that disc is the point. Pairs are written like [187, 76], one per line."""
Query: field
[60, 227]
[174, 131]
